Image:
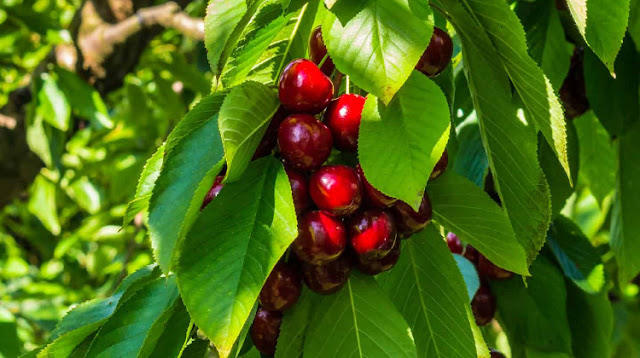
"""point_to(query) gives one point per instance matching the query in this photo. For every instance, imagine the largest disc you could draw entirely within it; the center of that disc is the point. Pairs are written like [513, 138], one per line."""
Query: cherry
[328, 278]
[490, 270]
[495, 354]
[483, 305]
[343, 118]
[304, 88]
[282, 288]
[454, 243]
[373, 196]
[213, 192]
[270, 137]
[471, 254]
[441, 165]
[573, 91]
[437, 55]
[299, 190]
[336, 189]
[318, 50]
[265, 330]
[321, 238]
[372, 233]
[408, 221]
[376, 266]
[304, 142]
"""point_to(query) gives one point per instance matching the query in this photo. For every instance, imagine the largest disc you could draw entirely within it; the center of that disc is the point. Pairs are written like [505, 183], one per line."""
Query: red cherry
[495, 354]
[299, 190]
[304, 88]
[282, 288]
[343, 118]
[321, 238]
[376, 266]
[483, 305]
[454, 243]
[372, 233]
[328, 278]
[410, 222]
[213, 192]
[437, 55]
[490, 270]
[270, 137]
[317, 51]
[471, 254]
[304, 142]
[265, 330]
[336, 189]
[373, 196]
[441, 165]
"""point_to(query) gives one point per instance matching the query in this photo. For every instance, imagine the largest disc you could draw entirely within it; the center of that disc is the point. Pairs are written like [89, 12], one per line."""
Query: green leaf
[471, 160]
[53, 105]
[196, 349]
[232, 247]
[174, 334]
[9, 342]
[146, 183]
[85, 101]
[602, 24]
[193, 156]
[42, 203]
[294, 326]
[634, 22]
[469, 274]
[470, 213]
[427, 288]
[220, 23]
[380, 46]
[358, 321]
[86, 194]
[591, 321]
[43, 139]
[244, 117]
[400, 144]
[481, 345]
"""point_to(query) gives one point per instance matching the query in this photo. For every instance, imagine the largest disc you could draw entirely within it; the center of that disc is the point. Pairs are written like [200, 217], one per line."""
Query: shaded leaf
[295, 322]
[591, 321]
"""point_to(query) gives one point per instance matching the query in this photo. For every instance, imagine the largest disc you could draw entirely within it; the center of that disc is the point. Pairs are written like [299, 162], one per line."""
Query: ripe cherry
[321, 238]
[343, 118]
[373, 196]
[573, 91]
[376, 266]
[441, 165]
[495, 354]
[304, 88]
[299, 190]
[270, 137]
[490, 270]
[282, 288]
[408, 221]
[471, 254]
[372, 233]
[328, 278]
[318, 50]
[213, 192]
[336, 189]
[304, 142]
[483, 305]
[437, 55]
[454, 243]
[265, 330]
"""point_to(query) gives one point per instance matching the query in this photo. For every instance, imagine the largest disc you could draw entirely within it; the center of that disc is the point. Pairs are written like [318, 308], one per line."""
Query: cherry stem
[347, 85]
[186, 340]
[293, 34]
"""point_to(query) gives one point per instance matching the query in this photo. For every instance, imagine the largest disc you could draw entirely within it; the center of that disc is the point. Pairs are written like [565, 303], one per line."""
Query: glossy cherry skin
[213, 192]
[321, 238]
[408, 221]
[372, 196]
[483, 305]
[336, 189]
[489, 270]
[454, 243]
[299, 189]
[270, 137]
[317, 51]
[438, 54]
[343, 119]
[495, 354]
[441, 165]
[328, 278]
[372, 233]
[304, 142]
[375, 266]
[472, 254]
[265, 330]
[282, 288]
[304, 88]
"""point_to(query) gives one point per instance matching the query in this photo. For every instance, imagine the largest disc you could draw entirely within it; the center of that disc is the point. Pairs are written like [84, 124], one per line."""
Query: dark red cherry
[328, 278]
[376, 266]
[437, 55]
[343, 119]
[213, 192]
[490, 270]
[336, 189]
[483, 305]
[270, 137]
[471, 254]
[282, 288]
[299, 189]
[408, 221]
[454, 243]
[318, 50]
[373, 197]
[321, 238]
[304, 142]
[265, 330]
[304, 88]
[573, 91]
[372, 233]
[441, 165]
[495, 354]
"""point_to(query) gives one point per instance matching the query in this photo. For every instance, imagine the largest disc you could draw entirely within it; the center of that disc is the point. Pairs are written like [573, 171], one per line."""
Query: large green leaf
[42, 203]
[220, 24]
[85, 101]
[243, 120]
[634, 22]
[358, 321]
[232, 247]
[427, 288]
[294, 326]
[471, 160]
[53, 105]
[399, 144]
[466, 210]
[380, 46]
[9, 342]
[147, 181]
[591, 322]
[175, 333]
[193, 156]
